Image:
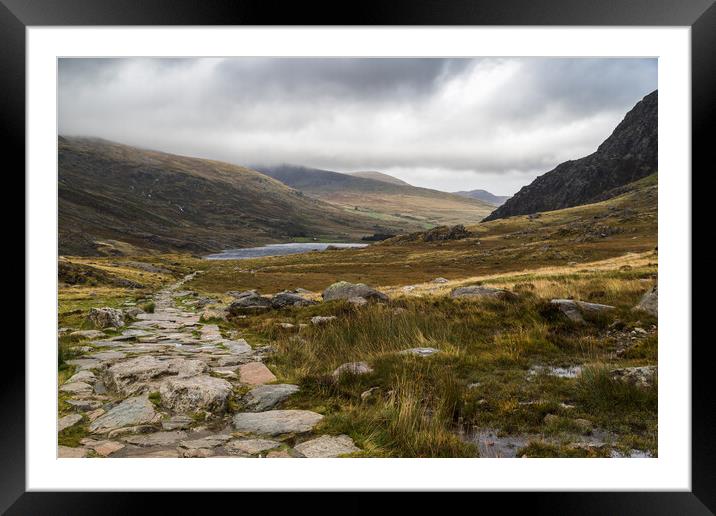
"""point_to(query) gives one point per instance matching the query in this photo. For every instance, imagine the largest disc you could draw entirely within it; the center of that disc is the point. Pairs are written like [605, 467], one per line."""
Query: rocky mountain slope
[484, 195]
[115, 199]
[630, 153]
[412, 207]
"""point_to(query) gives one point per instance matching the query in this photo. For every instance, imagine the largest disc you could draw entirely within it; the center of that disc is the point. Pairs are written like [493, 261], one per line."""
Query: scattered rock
[195, 453]
[276, 422]
[649, 302]
[421, 352]
[575, 310]
[106, 317]
[478, 291]
[252, 446]
[132, 411]
[327, 446]
[323, 319]
[370, 394]
[355, 368]
[641, 376]
[266, 397]
[345, 290]
[195, 394]
[439, 281]
[286, 325]
[255, 373]
[68, 421]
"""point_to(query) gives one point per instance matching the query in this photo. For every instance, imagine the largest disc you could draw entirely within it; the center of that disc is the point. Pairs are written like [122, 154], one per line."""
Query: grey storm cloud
[452, 124]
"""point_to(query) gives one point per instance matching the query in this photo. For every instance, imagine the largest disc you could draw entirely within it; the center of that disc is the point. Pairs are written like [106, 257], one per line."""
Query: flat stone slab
[107, 448]
[68, 421]
[255, 373]
[82, 376]
[266, 397]
[211, 441]
[131, 412]
[238, 347]
[179, 422]
[84, 363]
[276, 422]
[327, 446]
[421, 352]
[77, 388]
[66, 452]
[156, 439]
[252, 446]
[108, 355]
[84, 405]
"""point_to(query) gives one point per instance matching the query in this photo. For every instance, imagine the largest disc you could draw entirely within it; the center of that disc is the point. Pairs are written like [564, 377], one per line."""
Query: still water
[275, 250]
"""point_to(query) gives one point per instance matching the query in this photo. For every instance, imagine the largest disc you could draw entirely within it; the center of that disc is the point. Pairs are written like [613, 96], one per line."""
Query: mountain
[115, 198]
[411, 207]
[380, 176]
[484, 195]
[630, 153]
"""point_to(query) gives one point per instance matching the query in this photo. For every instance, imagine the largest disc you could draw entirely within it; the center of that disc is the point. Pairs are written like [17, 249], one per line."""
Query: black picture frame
[700, 15]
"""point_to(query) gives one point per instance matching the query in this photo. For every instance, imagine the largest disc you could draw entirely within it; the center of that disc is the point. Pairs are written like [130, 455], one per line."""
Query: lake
[276, 250]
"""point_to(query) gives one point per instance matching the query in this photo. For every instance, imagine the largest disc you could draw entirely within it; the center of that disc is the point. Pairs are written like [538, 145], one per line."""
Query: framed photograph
[413, 248]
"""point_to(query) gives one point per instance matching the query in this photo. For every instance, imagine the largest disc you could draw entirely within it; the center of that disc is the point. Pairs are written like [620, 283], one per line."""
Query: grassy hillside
[116, 199]
[411, 207]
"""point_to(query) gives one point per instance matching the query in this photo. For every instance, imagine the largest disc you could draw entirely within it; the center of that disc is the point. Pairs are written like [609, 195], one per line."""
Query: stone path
[167, 387]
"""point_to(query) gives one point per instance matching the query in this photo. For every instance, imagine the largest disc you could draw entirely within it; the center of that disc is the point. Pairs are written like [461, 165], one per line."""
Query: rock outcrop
[629, 154]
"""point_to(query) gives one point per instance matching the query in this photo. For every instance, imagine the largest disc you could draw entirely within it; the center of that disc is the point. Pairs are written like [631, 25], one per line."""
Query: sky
[449, 124]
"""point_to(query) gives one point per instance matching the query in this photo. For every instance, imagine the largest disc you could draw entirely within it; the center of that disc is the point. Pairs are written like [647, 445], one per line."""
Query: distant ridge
[380, 176]
[484, 195]
[629, 154]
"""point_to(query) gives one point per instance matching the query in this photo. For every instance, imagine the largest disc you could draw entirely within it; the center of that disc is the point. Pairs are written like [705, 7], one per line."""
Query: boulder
[354, 368]
[345, 290]
[249, 302]
[276, 422]
[327, 446]
[575, 310]
[194, 394]
[357, 301]
[266, 397]
[255, 373]
[649, 302]
[479, 291]
[285, 299]
[106, 317]
[130, 412]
